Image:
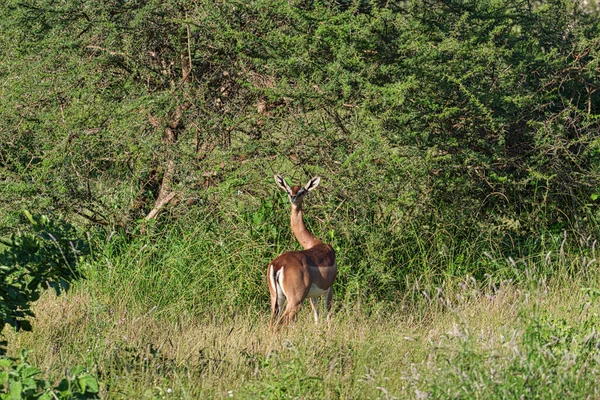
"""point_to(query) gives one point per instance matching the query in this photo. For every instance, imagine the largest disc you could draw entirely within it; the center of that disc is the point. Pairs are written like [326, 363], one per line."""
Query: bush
[44, 256]
[442, 129]
[20, 380]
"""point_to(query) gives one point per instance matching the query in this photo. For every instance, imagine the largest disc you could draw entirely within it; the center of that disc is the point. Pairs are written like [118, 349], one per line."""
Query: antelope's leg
[314, 303]
[292, 307]
[328, 301]
[275, 309]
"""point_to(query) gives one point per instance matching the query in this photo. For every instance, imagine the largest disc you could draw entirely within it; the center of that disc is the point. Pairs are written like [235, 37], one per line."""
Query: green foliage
[452, 137]
[44, 255]
[286, 380]
[466, 113]
[442, 130]
[20, 380]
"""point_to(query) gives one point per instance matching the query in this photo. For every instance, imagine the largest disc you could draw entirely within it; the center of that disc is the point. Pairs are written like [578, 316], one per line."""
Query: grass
[183, 314]
[534, 338]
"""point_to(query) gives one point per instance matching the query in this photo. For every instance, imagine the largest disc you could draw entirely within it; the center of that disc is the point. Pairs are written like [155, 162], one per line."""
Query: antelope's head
[297, 193]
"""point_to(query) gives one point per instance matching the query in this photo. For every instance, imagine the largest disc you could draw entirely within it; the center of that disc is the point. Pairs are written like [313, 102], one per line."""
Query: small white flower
[169, 390]
[230, 393]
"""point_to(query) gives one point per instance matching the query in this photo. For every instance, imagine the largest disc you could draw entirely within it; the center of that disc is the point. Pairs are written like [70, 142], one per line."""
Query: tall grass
[183, 313]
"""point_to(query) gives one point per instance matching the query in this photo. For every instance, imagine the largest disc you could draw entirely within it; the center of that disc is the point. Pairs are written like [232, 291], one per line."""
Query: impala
[296, 275]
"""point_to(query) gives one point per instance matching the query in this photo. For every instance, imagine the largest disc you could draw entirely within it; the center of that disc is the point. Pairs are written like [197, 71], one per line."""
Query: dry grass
[388, 354]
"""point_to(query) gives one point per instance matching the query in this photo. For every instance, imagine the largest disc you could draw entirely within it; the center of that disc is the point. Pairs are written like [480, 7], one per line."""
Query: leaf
[5, 362]
[63, 386]
[15, 389]
[29, 384]
[29, 217]
[77, 370]
[30, 371]
[88, 384]
[82, 384]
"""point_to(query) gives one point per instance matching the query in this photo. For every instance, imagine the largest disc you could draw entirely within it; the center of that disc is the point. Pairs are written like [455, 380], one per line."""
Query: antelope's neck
[305, 238]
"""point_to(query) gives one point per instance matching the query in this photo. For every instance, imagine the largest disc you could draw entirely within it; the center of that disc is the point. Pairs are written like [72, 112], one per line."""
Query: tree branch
[159, 205]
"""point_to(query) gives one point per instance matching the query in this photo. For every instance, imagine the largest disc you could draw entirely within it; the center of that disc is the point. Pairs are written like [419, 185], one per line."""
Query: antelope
[297, 275]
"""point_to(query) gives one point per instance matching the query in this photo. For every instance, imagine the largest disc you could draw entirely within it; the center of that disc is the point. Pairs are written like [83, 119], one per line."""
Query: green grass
[182, 312]
[526, 337]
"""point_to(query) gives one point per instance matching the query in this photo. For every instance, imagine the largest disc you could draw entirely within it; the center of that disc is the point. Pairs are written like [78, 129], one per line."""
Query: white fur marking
[281, 296]
[272, 278]
[315, 291]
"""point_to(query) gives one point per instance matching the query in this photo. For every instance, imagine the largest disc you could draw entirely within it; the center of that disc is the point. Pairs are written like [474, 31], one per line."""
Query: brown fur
[315, 265]
[318, 261]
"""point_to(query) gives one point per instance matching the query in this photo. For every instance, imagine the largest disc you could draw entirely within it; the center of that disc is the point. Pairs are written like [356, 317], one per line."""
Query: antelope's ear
[283, 184]
[313, 183]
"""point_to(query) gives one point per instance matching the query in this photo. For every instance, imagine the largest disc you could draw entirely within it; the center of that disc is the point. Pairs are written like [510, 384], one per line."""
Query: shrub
[20, 380]
[44, 256]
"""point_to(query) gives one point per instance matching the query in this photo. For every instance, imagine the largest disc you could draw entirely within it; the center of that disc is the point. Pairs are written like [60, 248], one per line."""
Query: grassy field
[458, 147]
[531, 337]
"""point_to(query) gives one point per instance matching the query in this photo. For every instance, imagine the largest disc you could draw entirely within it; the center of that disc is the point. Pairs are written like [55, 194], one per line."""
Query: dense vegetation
[457, 141]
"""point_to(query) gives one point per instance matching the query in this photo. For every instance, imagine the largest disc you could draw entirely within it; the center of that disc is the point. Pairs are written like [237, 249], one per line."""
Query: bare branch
[159, 205]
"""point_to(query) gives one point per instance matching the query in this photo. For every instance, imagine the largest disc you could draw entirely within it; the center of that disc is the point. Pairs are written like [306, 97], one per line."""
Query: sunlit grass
[465, 339]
